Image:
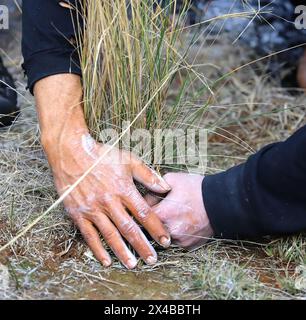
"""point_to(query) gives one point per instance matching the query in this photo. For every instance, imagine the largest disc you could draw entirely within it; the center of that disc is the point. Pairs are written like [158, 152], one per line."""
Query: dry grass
[130, 56]
[246, 112]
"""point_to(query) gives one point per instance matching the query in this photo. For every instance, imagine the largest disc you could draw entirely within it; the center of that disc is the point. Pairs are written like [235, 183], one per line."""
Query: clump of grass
[131, 55]
[288, 250]
[224, 279]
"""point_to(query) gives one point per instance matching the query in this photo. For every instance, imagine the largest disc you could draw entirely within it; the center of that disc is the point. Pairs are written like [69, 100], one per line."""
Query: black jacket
[48, 35]
[264, 196]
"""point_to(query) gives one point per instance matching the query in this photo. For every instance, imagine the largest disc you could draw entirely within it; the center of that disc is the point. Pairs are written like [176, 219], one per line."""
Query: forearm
[60, 111]
[264, 196]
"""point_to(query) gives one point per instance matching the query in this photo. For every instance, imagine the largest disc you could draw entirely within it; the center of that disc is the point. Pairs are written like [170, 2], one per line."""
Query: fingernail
[131, 263]
[165, 241]
[151, 260]
[107, 263]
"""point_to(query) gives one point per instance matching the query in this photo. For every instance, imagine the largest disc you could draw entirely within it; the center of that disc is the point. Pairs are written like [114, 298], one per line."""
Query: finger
[113, 238]
[152, 199]
[145, 215]
[93, 240]
[132, 233]
[148, 177]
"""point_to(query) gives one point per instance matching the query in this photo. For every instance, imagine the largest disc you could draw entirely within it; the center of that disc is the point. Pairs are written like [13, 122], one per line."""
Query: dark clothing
[47, 42]
[264, 196]
[8, 97]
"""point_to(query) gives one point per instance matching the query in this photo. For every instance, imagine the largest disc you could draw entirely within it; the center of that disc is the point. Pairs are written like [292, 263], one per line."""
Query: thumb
[163, 210]
[148, 177]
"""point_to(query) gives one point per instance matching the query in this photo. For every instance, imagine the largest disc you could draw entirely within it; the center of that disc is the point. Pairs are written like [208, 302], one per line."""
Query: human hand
[100, 200]
[183, 211]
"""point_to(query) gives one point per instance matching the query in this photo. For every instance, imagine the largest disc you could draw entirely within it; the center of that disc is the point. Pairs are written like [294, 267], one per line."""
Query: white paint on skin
[107, 198]
[91, 198]
[144, 239]
[82, 209]
[182, 223]
[88, 144]
[142, 213]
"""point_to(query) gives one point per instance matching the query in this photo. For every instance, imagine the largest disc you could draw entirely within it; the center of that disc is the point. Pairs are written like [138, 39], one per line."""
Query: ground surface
[52, 261]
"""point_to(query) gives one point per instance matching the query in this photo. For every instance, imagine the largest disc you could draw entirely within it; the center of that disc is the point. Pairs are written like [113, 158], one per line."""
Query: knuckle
[142, 209]
[110, 234]
[143, 214]
[108, 199]
[123, 185]
[130, 193]
[128, 228]
[92, 216]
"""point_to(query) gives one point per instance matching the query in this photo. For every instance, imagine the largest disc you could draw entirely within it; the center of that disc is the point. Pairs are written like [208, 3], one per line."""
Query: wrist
[60, 130]
[59, 139]
[65, 150]
[60, 109]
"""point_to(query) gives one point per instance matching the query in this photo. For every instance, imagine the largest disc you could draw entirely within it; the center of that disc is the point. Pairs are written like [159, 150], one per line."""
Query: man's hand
[183, 211]
[100, 201]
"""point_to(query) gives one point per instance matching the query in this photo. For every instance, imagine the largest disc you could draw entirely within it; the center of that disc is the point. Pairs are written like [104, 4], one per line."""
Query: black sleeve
[48, 36]
[264, 196]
